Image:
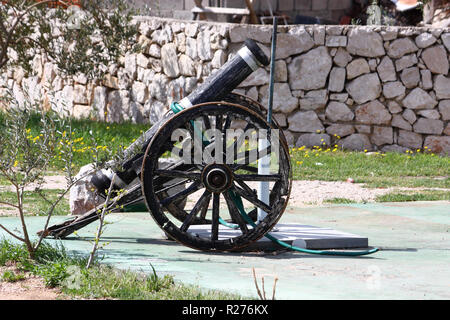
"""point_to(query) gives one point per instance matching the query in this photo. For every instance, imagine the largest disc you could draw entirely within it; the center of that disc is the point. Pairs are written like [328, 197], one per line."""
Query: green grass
[11, 276]
[426, 195]
[339, 201]
[375, 170]
[35, 204]
[89, 133]
[66, 271]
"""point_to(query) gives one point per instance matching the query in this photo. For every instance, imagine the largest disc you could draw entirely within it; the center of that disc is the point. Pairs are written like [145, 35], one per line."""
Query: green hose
[238, 201]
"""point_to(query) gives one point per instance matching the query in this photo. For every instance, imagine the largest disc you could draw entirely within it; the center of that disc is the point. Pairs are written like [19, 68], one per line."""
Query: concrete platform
[413, 261]
[299, 235]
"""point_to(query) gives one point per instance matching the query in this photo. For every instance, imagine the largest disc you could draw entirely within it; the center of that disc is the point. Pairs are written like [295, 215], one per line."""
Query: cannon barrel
[247, 60]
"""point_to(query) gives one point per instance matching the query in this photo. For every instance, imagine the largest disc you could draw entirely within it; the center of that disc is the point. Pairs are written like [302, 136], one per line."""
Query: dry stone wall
[363, 88]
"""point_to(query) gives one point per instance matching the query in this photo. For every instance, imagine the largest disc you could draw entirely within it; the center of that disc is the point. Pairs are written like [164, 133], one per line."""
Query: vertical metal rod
[263, 142]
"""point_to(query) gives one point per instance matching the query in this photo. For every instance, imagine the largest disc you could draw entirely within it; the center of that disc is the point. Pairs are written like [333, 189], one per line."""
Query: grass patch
[428, 195]
[66, 271]
[375, 170]
[339, 201]
[106, 135]
[11, 276]
[35, 204]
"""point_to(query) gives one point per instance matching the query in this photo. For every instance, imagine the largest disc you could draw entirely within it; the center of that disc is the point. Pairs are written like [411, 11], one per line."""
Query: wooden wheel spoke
[234, 213]
[186, 192]
[219, 122]
[167, 188]
[244, 185]
[201, 203]
[206, 122]
[252, 198]
[258, 177]
[227, 123]
[215, 217]
[177, 174]
[246, 158]
[245, 167]
[234, 146]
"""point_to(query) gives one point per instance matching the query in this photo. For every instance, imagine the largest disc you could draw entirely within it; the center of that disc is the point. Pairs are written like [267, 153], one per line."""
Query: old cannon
[199, 165]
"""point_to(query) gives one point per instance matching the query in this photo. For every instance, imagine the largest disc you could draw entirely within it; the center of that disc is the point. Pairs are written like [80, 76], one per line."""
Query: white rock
[80, 94]
[409, 139]
[400, 47]
[446, 40]
[425, 40]
[204, 45]
[419, 99]
[364, 88]
[294, 42]
[170, 60]
[393, 89]
[438, 144]
[83, 196]
[356, 141]
[444, 109]
[364, 42]
[386, 70]
[99, 102]
[427, 81]
[337, 111]
[305, 122]
[337, 79]
[410, 77]
[382, 135]
[191, 48]
[410, 116]
[373, 112]
[283, 101]
[405, 62]
[131, 66]
[186, 65]
[399, 122]
[342, 58]
[139, 92]
[436, 59]
[258, 78]
[258, 33]
[310, 70]
[314, 100]
[442, 87]
[357, 67]
[429, 126]
[220, 57]
[310, 140]
[336, 41]
[430, 114]
[341, 130]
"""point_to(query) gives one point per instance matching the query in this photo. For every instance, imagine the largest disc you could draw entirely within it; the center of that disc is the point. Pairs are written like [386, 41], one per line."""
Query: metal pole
[263, 142]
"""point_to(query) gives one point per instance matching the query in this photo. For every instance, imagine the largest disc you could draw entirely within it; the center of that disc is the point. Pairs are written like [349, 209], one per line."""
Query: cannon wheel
[177, 208]
[212, 187]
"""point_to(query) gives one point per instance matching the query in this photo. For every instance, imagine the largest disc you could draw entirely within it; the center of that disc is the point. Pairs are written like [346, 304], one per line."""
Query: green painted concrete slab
[414, 262]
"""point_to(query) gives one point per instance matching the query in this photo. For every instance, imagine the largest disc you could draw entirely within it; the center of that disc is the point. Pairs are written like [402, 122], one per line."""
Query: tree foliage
[84, 38]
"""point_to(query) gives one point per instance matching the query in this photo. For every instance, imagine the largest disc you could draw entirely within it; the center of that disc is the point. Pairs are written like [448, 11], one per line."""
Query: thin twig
[14, 235]
[256, 285]
[274, 287]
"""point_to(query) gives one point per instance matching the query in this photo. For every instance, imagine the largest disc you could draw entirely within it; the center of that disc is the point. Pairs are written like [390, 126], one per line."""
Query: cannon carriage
[199, 166]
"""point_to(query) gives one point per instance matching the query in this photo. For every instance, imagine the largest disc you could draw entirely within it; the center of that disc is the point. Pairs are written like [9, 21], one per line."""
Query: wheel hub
[217, 178]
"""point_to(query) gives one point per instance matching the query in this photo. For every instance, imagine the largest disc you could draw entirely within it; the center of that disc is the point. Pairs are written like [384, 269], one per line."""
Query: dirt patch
[30, 288]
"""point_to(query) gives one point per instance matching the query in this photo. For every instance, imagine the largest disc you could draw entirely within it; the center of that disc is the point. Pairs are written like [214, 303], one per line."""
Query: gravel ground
[303, 193]
[31, 288]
